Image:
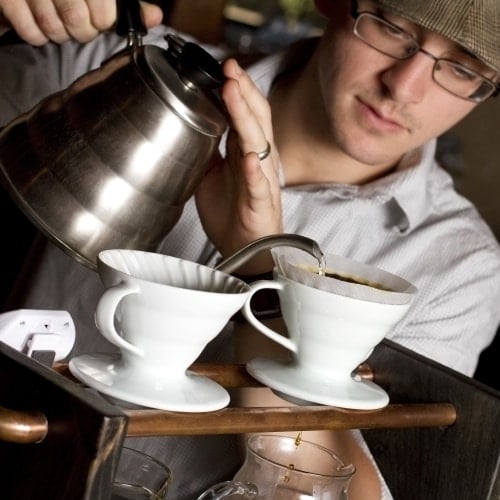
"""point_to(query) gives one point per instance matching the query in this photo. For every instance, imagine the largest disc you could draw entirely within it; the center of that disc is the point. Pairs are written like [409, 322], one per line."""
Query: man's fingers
[251, 94]
[18, 15]
[152, 14]
[73, 18]
[252, 137]
[102, 14]
[40, 21]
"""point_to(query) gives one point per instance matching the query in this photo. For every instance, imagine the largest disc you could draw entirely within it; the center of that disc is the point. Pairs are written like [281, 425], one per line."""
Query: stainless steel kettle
[110, 161]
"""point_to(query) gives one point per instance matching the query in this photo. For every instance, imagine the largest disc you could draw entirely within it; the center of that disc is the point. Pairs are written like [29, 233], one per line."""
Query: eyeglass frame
[357, 15]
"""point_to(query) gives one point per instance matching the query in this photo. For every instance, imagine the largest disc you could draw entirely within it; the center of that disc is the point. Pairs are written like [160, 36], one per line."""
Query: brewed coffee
[356, 281]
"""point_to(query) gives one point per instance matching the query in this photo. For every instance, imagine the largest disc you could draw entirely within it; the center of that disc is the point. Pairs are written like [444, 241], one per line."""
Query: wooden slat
[459, 462]
[72, 448]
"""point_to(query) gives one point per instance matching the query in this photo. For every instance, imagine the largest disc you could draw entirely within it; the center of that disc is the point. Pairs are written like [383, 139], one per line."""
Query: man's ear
[324, 7]
[337, 10]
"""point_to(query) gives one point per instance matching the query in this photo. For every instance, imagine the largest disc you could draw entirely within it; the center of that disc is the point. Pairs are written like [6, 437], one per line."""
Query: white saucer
[107, 374]
[289, 379]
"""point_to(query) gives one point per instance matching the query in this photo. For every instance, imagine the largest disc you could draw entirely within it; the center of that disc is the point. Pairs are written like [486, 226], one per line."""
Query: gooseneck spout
[266, 243]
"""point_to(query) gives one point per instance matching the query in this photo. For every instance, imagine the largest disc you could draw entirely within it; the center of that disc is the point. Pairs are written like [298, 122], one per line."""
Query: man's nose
[408, 80]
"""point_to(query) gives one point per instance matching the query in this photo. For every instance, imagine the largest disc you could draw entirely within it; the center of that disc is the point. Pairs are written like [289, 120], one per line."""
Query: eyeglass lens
[395, 42]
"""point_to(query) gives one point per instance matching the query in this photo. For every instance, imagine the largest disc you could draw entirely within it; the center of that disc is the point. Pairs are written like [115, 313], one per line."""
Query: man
[351, 121]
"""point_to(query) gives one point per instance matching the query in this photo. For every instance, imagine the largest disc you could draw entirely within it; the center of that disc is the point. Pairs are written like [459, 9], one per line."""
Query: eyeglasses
[391, 40]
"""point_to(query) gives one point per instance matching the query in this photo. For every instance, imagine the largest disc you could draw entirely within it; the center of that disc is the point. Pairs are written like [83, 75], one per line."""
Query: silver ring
[264, 154]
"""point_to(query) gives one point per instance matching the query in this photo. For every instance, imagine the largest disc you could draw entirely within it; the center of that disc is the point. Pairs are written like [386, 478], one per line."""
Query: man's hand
[40, 21]
[239, 199]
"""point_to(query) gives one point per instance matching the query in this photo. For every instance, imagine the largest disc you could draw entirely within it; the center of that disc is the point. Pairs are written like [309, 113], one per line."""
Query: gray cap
[473, 24]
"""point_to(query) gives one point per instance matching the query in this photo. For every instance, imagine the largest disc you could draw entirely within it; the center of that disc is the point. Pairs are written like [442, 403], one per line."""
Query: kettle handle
[129, 21]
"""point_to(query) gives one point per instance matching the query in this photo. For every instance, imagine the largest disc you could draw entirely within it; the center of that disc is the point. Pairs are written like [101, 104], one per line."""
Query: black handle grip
[129, 18]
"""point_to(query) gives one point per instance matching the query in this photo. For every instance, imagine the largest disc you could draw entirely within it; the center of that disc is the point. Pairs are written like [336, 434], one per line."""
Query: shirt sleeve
[28, 74]
[457, 313]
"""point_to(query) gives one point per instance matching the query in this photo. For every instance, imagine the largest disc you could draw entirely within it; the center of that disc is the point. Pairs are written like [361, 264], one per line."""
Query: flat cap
[473, 24]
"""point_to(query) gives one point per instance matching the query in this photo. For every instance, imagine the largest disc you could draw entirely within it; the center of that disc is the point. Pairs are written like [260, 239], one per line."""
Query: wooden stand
[437, 439]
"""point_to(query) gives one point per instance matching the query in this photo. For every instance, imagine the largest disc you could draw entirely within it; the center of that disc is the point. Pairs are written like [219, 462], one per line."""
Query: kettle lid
[186, 78]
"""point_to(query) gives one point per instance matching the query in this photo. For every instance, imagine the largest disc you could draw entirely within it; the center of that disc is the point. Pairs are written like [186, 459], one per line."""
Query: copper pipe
[32, 427]
[244, 420]
[23, 427]
[365, 371]
[236, 375]
[228, 375]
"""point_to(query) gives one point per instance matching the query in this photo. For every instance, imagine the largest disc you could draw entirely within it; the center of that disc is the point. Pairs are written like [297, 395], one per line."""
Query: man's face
[379, 108]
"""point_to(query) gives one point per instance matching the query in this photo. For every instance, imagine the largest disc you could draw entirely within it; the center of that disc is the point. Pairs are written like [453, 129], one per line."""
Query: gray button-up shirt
[411, 223]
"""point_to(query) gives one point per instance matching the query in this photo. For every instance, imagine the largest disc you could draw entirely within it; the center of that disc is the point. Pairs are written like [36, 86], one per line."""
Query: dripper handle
[247, 312]
[105, 316]
[226, 488]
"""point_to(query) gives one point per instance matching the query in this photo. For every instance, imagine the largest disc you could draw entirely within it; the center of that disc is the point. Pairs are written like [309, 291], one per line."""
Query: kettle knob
[194, 64]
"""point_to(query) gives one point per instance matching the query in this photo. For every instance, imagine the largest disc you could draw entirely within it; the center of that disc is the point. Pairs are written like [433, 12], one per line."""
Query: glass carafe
[281, 467]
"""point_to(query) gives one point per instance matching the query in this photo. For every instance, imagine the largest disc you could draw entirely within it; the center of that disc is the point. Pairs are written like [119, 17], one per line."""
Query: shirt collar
[406, 187]
[410, 185]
